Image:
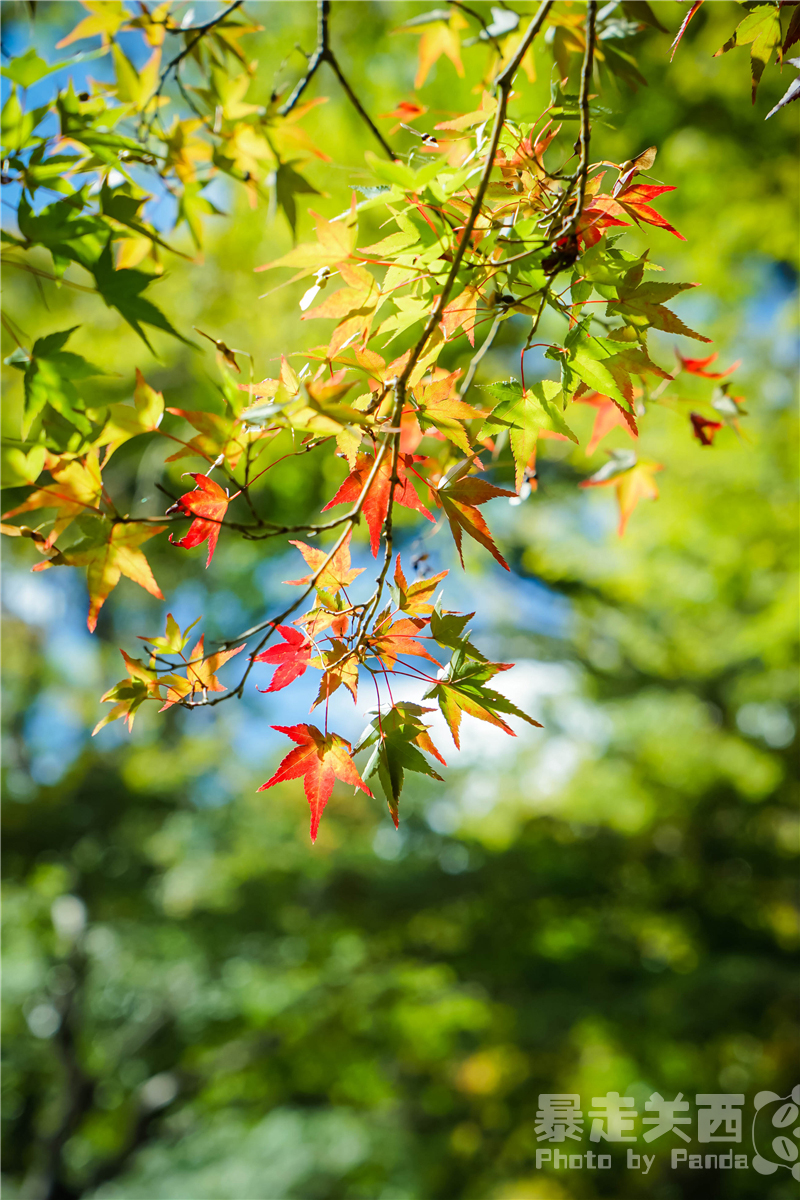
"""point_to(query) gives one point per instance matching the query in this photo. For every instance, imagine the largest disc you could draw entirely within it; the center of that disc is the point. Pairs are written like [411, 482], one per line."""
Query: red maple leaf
[634, 201]
[319, 758]
[697, 366]
[406, 111]
[376, 504]
[704, 428]
[208, 504]
[291, 658]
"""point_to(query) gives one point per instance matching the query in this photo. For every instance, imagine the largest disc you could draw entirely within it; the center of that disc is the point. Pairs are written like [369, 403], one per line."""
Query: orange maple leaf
[107, 555]
[336, 575]
[632, 484]
[609, 415]
[440, 37]
[389, 642]
[200, 673]
[76, 485]
[319, 758]
[415, 598]
[376, 505]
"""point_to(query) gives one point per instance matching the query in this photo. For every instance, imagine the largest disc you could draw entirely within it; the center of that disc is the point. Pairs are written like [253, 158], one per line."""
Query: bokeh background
[198, 1004]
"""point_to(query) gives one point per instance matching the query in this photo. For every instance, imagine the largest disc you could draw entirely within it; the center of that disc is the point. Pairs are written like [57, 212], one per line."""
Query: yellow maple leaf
[108, 552]
[438, 37]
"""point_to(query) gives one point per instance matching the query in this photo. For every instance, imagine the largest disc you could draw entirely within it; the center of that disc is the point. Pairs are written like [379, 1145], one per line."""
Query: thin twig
[174, 63]
[503, 83]
[586, 80]
[324, 53]
[477, 17]
[476, 359]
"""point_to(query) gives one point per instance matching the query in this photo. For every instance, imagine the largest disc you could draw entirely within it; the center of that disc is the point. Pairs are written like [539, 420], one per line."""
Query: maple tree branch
[350, 518]
[481, 21]
[324, 53]
[585, 131]
[503, 82]
[174, 63]
[371, 605]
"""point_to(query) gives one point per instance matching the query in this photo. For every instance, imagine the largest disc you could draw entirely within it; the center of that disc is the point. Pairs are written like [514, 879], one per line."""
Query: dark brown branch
[585, 132]
[324, 54]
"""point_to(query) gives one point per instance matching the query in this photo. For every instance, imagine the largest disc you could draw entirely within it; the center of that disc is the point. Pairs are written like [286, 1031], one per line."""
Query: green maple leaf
[525, 414]
[463, 689]
[122, 290]
[396, 737]
[50, 373]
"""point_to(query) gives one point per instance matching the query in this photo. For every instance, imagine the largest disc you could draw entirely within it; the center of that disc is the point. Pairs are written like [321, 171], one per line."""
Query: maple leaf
[319, 758]
[323, 617]
[336, 242]
[447, 629]
[697, 366]
[291, 658]
[105, 19]
[376, 505]
[462, 689]
[704, 428]
[793, 90]
[729, 407]
[389, 641]
[50, 376]
[76, 486]
[143, 683]
[460, 497]
[684, 23]
[173, 640]
[440, 408]
[109, 551]
[340, 667]
[440, 36]
[633, 200]
[610, 414]
[462, 313]
[201, 674]
[633, 482]
[125, 422]
[525, 414]
[216, 435]
[761, 30]
[396, 736]
[406, 110]
[414, 598]
[208, 504]
[642, 304]
[336, 575]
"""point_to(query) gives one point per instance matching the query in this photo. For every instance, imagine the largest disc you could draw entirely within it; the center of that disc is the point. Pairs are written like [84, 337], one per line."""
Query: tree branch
[174, 63]
[585, 132]
[503, 83]
[324, 53]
